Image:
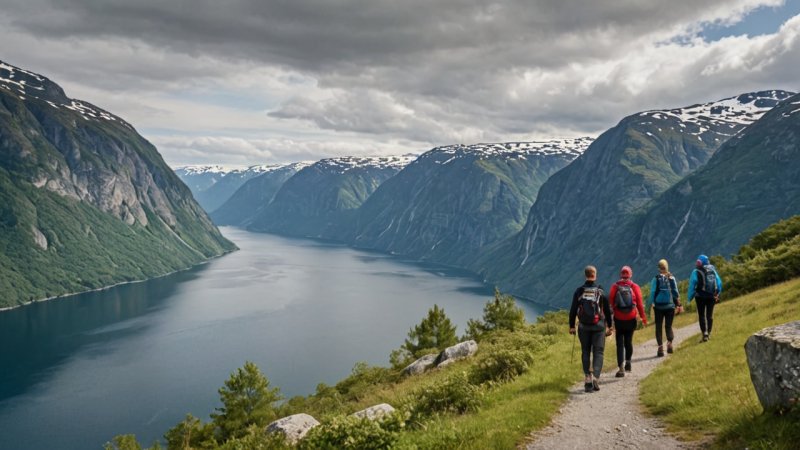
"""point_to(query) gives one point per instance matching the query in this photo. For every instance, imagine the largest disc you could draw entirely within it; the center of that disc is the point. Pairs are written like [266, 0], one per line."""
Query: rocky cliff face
[320, 200]
[454, 201]
[254, 195]
[583, 213]
[752, 181]
[77, 160]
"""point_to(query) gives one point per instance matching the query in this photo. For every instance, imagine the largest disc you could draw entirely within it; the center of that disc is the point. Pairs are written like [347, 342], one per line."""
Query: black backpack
[623, 300]
[707, 282]
[590, 311]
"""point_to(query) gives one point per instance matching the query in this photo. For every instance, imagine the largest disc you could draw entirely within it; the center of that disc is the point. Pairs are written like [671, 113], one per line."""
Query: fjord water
[136, 358]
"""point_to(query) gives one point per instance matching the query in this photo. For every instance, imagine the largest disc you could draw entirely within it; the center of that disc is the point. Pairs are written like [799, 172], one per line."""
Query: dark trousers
[624, 334]
[593, 343]
[664, 315]
[705, 313]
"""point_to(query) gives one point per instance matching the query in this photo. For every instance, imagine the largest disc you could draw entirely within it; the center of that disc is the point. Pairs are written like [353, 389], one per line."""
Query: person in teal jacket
[705, 285]
[666, 301]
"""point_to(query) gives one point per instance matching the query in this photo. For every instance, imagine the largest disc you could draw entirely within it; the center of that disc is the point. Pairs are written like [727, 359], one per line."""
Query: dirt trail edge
[612, 417]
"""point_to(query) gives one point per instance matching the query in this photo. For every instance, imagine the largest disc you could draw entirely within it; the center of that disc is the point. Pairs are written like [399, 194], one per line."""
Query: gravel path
[612, 417]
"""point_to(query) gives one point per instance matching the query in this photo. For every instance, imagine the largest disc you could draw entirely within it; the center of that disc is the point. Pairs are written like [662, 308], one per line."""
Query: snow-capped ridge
[555, 147]
[343, 164]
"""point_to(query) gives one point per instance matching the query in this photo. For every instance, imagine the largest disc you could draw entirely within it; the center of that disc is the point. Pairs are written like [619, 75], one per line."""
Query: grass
[704, 392]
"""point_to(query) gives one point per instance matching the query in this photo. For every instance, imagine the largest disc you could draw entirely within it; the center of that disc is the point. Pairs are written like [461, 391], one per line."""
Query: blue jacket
[693, 283]
[673, 287]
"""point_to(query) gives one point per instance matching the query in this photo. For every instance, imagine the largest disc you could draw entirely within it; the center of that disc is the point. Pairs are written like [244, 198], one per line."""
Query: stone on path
[293, 427]
[773, 355]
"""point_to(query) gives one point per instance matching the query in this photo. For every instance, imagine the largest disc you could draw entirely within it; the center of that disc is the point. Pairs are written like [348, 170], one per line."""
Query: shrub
[501, 313]
[255, 439]
[501, 365]
[247, 399]
[356, 433]
[453, 394]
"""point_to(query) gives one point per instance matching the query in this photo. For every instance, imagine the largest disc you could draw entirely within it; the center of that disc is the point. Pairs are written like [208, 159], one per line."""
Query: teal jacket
[693, 283]
[673, 288]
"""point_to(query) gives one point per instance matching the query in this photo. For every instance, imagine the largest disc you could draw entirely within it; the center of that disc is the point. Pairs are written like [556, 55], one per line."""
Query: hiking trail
[612, 417]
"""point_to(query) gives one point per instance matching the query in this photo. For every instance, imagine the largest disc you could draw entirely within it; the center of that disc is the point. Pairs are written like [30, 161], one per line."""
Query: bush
[453, 394]
[255, 439]
[501, 365]
[501, 313]
[356, 433]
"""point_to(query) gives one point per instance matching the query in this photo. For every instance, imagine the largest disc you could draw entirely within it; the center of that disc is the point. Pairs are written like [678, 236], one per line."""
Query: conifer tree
[247, 400]
[434, 333]
[501, 313]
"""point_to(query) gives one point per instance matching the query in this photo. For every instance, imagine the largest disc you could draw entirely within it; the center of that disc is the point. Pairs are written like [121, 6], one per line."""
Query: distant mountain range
[85, 201]
[213, 185]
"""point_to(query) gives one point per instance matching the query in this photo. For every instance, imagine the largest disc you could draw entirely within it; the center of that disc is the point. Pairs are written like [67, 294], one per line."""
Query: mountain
[751, 182]
[213, 185]
[582, 214]
[85, 201]
[453, 201]
[321, 199]
[254, 195]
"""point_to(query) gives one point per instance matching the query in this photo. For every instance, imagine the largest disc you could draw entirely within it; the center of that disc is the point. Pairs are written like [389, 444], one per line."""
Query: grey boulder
[420, 365]
[457, 352]
[773, 355]
[293, 427]
[375, 412]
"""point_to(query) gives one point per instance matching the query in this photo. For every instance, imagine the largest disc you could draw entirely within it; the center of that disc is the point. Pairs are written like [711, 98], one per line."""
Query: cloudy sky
[243, 82]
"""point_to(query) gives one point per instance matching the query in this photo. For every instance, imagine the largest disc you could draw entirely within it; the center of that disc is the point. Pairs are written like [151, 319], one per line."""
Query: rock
[773, 355]
[39, 238]
[294, 427]
[420, 365]
[375, 412]
[459, 351]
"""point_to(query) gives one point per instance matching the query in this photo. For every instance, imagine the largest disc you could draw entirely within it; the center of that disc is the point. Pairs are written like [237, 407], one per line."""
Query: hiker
[590, 307]
[705, 285]
[666, 302]
[626, 301]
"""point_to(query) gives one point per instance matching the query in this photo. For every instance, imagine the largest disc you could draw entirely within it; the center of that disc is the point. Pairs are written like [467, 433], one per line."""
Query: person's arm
[607, 310]
[719, 283]
[612, 294]
[676, 296]
[637, 292]
[652, 297]
[573, 310]
[692, 286]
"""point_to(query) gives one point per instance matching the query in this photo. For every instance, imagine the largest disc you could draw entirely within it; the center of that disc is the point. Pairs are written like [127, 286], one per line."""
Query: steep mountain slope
[254, 195]
[320, 200]
[214, 185]
[750, 183]
[453, 201]
[84, 200]
[582, 212]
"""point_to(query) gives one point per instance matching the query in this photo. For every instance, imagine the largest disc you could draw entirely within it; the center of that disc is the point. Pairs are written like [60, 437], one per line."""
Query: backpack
[707, 282]
[623, 300]
[663, 290]
[590, 311]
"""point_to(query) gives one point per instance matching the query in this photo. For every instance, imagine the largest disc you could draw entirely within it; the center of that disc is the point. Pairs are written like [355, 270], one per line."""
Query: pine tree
[434, 333]
[247, 400]
[501, 313]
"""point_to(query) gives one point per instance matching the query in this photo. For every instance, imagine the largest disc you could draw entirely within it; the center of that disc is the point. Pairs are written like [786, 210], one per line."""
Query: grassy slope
[704, 390]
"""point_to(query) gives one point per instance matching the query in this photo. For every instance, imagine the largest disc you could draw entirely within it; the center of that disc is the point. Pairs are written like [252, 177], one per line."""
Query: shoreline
[110, 286]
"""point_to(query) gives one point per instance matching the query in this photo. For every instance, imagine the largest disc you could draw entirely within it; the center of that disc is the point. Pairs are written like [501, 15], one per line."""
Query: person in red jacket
[626, 301]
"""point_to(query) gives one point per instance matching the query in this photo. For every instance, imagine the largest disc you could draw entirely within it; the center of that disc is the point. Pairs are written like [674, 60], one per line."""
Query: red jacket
[638, 304]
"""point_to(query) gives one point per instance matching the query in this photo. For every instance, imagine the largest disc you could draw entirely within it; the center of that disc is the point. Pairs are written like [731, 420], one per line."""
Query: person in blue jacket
[666, 301]
[705, 285]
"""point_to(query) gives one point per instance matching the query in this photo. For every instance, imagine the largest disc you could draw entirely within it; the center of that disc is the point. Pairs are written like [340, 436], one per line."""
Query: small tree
[501, 313]
[246, 400]
[190, 433]
[434, 333]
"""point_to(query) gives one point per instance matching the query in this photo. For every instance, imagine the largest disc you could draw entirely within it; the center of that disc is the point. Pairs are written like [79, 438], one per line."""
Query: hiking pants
[593, 343]
[624, 334]
[664, 315]
[705, 313]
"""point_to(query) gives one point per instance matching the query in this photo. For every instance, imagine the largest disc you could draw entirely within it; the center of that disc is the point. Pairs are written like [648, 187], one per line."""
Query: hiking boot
[595, 385]
[620, 373]
[587, 387]
[705, 338]
[627, 366]
[660, 352]
[669, 347]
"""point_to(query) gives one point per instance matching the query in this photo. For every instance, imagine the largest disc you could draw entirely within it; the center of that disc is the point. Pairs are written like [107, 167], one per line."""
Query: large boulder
[420, 365]
[375, 412]
[293, 427]
[773, 355]
[459, 351]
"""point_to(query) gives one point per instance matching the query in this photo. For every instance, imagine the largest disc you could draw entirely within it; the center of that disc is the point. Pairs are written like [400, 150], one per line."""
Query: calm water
[136, 358]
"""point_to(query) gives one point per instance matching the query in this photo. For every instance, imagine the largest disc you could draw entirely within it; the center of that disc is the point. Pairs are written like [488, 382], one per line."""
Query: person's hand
[609, 331]
[572, 330]
[679, 309]
[644, 323]
[716, 298]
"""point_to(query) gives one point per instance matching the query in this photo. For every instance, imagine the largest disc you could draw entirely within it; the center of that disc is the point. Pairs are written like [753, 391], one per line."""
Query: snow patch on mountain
[218, 169]
[345, 163]
[556, 147]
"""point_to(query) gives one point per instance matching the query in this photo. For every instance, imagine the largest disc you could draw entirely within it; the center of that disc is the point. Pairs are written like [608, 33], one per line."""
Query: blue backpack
[707, 282]
[663, 290]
